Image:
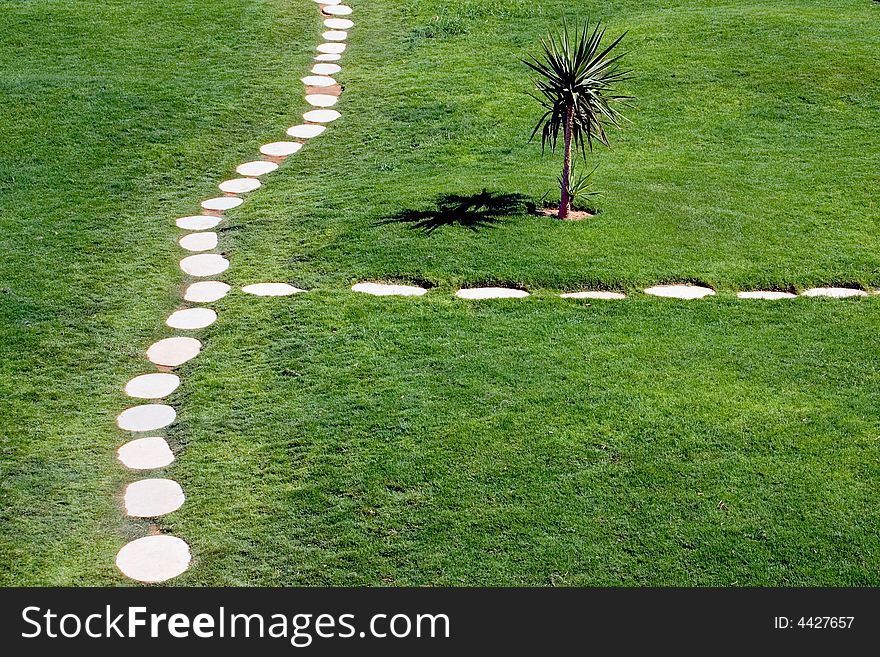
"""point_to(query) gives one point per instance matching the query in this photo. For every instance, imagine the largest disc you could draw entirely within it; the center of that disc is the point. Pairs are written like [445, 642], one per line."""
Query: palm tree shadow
[481, 210]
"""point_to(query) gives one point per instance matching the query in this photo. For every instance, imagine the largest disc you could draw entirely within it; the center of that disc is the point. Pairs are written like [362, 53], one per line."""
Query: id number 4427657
[813, 622]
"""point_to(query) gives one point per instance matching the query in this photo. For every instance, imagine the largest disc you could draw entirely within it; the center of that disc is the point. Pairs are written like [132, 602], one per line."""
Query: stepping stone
[306, 131]
[280, 148]
[318, 81]
[328, 57]
[206, 291]
[271, 289]
[383, 290]
[326, 69]
[338, 23]
[239, 185]
[321, 100]
[771, 295]
[337, 10]
[331, 48]
[321, 116]
[152, 386]
[172, 352]
[222, 203]
[491, 293]
[191, 318]
[593, 294]
[335, 35]
[145, 454]
[198, 241]
[153, 559]
[680, 291]
[150, 498]
[834, 292]
[328, 2]
[204, 264]
[198, 222]
[256, 168]
[147, 417]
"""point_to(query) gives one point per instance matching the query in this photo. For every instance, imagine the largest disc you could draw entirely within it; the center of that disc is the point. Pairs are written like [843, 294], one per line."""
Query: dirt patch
[573, 215]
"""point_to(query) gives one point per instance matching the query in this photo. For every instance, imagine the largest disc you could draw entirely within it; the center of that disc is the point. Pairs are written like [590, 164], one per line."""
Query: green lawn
[332, 438]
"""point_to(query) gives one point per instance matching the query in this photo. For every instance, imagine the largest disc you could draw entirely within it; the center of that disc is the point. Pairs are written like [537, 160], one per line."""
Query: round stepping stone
[150, 498]
[198, 241]
[271, 289]
[331, 48]
[256, 168]
[335, 35]
[280, 148]
[318, 81]
[321, 100]
[152, 386]
[148, 417]
[338, 23]
[191, 318]
[239, 185]
[172, 352]
[204, 264]
[153, 559]
[198, 222]
[771, 295]
[337, 10]
[328, 57]
[206, 291]
[326, 69]
[321, 116]
[306, 131]
[384, 290]
[593, 294]
[328, 2]
[491, 293]
[145, 454]
[222, 203]
[834, 292]
[680, 291]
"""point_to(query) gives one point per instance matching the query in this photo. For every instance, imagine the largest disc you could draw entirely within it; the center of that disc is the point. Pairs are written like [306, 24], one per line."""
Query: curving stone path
[491, 293]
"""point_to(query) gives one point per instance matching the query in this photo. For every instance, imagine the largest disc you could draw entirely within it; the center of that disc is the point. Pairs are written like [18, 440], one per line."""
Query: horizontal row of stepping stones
[159, 557]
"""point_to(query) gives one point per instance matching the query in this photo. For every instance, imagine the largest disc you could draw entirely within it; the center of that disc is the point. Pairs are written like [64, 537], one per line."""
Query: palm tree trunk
[565, 201]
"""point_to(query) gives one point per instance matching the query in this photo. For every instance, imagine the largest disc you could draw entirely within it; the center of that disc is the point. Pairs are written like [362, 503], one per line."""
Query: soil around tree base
[573, 215]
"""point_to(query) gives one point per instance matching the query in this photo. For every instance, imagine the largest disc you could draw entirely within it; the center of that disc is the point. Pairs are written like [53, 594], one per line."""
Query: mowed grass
[337, 439]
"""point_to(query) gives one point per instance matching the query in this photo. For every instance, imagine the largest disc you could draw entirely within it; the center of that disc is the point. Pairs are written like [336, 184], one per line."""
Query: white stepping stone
[306, 130]
[834, 292]
[321, 100]
[145, 454]
[318, 81]
[256, 168]
[771, 295]
[321, 116]
[594, 294]
[204, 264]
[328, 57]
[147, 417]
[150, 498]
[198, 222]
[326, 69]
[384, 290]
[172, 352]
[198, 241]
[335, 35]
[239, 185]
[491, 293]
[280, 148]
[680, 291]
[338, 23]
[190, 319]
[206, 291]
[152, 386]
[222, 203]
[328, 2]
[271, 289]
[331, 48]
[153, 559]
[337, 10]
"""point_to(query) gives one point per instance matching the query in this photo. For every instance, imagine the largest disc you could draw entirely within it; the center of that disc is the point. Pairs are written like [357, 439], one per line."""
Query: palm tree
[576, 86]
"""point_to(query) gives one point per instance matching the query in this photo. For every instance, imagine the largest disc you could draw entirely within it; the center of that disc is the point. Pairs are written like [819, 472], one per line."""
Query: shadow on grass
[481, 210]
